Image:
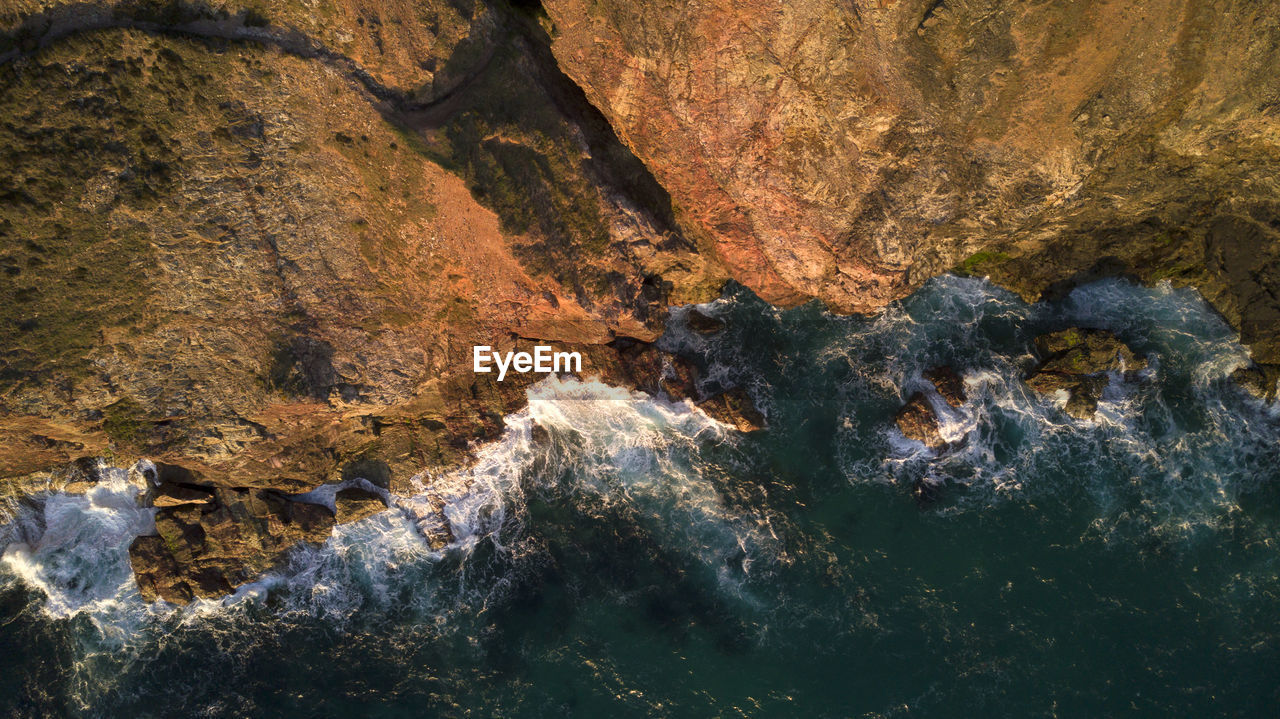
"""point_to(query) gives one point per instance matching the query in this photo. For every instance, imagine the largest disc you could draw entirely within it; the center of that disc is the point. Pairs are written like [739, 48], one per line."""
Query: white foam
[75, 550]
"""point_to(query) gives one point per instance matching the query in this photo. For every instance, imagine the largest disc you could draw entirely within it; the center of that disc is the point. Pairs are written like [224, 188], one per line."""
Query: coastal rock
[1258, 380]
[917, 420]
[734, 408]
[172, 494]
[268, 283]
[1078, 361]
[651, 370]
[354, 504]
[848, 151]
[426, 510]
[1085, 351]
[209, 549]
[948, 383]
[82, 475]
[703, 324]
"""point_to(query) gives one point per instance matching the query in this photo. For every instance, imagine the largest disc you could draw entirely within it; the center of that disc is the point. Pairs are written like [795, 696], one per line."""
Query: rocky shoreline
[254, 244]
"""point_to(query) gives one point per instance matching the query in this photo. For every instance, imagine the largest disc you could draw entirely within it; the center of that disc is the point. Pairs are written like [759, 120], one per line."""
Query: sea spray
[613, 552]
[614, 444]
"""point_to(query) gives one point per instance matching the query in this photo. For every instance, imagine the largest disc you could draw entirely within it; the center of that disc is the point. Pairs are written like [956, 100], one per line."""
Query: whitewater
[620, 554]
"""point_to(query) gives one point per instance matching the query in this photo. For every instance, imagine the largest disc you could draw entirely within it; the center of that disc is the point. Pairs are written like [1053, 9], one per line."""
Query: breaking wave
[613, 550]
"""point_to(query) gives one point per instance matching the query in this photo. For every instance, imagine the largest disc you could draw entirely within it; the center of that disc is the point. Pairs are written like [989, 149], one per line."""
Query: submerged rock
[926, 491]
[702, 323]
[1078, 361]
[427, 512]
[354, 503]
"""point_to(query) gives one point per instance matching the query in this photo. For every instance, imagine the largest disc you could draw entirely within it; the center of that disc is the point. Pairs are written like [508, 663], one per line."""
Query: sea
[616, 554]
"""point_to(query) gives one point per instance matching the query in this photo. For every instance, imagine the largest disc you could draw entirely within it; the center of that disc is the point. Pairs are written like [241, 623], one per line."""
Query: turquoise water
[647, 561]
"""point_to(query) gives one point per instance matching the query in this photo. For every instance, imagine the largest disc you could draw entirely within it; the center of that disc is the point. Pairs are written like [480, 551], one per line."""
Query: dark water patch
[641, 560]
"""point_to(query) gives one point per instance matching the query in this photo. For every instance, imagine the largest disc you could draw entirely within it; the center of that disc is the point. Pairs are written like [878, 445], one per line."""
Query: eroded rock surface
[948, 383]
[208, 549]
[354, 504]
[849, 150]
[651, 370]
[1079, 361]
[917, 420]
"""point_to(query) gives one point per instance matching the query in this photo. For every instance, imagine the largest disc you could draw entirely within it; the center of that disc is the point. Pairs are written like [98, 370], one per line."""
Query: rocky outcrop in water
[949, 384]
[208, 548]
[1258, 380]
[919, 420]
[1079, 362]
[354, 504]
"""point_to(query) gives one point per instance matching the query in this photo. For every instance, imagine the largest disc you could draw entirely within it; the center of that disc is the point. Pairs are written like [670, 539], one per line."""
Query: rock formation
[849, 150]
[1079, 362]
[949, 384]
[206, 549]
[254, 242]
[919, 420]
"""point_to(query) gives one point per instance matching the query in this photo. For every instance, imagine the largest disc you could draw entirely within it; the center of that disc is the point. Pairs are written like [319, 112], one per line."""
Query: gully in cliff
[543, 360]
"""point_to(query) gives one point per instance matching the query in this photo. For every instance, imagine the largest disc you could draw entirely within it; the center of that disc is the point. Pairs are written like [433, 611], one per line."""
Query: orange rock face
[850, 150]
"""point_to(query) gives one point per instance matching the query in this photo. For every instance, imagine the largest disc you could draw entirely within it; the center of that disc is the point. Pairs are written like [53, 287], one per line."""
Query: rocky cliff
[254, 242]
[850, 150]
[234, 249]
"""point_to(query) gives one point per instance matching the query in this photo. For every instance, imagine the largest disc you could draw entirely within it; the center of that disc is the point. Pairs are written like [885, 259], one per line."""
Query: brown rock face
[850, 150]
[208, 549]
[286, 225]
[1078, 360]
[735, 409]
[354, 504]
[916, 420]
[172, 494]
[948, 383]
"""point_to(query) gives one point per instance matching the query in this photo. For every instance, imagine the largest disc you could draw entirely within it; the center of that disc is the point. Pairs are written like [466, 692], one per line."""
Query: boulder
[1258, 380]
[917, 420]
[735, 408]
[948, 383]
[1078, 361]
[354, 504]
[427, 513]
[209, 549]
[1085, 351]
